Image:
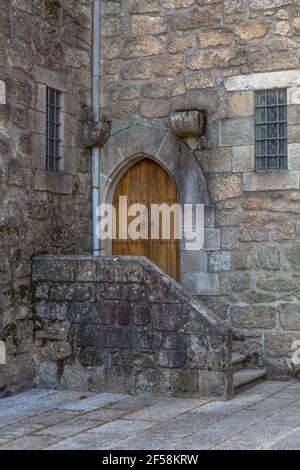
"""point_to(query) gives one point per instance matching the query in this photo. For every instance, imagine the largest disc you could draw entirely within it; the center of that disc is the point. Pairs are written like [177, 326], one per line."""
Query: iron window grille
[53, 130]
[271, 130]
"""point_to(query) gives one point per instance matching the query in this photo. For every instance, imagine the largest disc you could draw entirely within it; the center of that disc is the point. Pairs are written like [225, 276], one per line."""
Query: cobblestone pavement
[264, 417]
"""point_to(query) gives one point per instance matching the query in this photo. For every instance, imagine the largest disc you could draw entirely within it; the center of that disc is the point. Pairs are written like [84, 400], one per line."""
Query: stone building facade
[43, 43]
[157, 57]
[168, 55]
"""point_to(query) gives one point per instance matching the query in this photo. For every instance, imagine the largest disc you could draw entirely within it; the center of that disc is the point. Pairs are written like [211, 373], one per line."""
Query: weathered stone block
[142, 315]
[254, 316]
[269, 258]
[156, 89]
[201, 283]
[179, 43]
[166, 66]
[124, 313]
[294, 156]
[91, 357]
[216, 37]
[243, 158]
[143, 6]
[142, 47]
[219, 261]
[293, 255]
[172, 359]
[240, 104]
[54, 330]
[277, 284]
[262, 81]
[227, 218]
[166, 317]
[242, 260]
[267, 4]
[280, 344]
[289, 316]
[211, 382]
[236, 132]
[51, 269]
[52, 311]
[234, 282]
[174, 341]
[46, 375]
[57, 350]
[153, 108]
[75, 377]
[234, 6]
[194, 261]
[267, 227]
[211, 239]
[208, 352]
[195, 18]
[210, 58]
[134, 291]
[142, 24]
[252, 29]
[216, 160]
[224, 186]
[2, 92]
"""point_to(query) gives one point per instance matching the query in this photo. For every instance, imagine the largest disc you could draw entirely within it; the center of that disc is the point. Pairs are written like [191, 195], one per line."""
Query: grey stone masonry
[42, 44]
[119, 324]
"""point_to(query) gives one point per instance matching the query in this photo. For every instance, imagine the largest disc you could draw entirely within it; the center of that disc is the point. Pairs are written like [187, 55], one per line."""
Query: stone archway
[127, 146]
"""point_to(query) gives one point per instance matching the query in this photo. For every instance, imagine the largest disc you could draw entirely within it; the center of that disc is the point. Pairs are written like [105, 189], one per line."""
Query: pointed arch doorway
[147, 182]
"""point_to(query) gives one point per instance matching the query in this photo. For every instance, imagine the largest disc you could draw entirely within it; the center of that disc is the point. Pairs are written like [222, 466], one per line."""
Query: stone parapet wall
[120, 324]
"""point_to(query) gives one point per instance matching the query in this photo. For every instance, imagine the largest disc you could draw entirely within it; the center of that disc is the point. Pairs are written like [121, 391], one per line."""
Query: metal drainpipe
[96, 114]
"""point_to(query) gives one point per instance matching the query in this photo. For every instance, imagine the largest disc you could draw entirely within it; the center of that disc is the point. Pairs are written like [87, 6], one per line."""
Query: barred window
[53, 130]
[271, 130]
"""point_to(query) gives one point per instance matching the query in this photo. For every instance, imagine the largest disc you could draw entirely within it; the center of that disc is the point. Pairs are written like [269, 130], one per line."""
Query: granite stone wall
[157, 56]
[166, 55]
[42, 43]
[121, 324]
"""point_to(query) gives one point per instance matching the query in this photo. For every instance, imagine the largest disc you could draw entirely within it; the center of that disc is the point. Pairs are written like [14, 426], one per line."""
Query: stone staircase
[245, 378]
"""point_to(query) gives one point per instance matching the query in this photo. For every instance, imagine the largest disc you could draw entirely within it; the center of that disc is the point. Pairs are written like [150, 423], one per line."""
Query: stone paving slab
[264, 417]
[68, 428]
[166, 409]
[94, 402]
[291, 441]
[25, 397]
[122, 428]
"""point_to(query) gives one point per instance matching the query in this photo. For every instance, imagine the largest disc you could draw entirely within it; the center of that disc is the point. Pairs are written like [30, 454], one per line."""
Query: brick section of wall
[120, 324]
[42, 43]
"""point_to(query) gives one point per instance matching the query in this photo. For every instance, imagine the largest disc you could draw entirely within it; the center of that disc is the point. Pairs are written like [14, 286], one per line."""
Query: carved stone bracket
[96, 134]
[190, 123]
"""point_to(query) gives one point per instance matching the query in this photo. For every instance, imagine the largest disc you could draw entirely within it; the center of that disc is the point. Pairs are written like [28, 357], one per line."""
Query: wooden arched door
[146, 182]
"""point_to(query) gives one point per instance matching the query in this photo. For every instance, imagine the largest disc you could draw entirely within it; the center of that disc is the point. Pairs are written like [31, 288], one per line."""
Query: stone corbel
[95, 134]
[189, 125]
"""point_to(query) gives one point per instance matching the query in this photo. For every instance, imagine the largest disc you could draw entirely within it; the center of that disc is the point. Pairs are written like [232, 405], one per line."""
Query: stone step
[247, 378]
[238, 361]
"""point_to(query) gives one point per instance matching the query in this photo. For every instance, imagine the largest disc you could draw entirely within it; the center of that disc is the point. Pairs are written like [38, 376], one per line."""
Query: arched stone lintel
[131, 144]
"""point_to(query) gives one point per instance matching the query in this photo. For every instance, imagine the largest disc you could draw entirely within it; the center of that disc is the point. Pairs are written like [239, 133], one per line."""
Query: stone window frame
[55, 182]
[237, 130]
[262, 159]
[53, 159]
